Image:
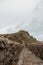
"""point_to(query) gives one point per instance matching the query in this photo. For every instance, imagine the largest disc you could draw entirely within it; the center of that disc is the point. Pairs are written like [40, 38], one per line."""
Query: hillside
[21, 36]
[14, 48]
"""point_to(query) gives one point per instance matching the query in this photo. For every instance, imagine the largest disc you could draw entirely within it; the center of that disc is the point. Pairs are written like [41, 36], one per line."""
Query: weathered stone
[20, 49]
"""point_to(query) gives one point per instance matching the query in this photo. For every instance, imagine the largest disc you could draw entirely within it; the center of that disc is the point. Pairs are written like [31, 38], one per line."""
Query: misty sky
[22, 14]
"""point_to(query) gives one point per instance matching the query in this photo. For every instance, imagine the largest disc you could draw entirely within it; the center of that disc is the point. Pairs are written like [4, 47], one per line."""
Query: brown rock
[20, 49]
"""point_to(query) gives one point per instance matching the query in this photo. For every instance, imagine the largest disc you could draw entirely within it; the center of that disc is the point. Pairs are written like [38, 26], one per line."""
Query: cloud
[24, 14]
[37, 20]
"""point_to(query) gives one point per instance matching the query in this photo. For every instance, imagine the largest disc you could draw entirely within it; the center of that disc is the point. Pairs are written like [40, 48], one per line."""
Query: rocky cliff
[20, 49]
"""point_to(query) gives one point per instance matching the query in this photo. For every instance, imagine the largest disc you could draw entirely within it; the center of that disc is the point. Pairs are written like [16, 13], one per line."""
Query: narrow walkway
[28, 58]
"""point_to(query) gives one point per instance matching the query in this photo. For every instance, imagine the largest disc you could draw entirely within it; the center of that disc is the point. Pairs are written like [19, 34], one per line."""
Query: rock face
[21, 36]
[9, 51]
[20, 49]
[37, 49]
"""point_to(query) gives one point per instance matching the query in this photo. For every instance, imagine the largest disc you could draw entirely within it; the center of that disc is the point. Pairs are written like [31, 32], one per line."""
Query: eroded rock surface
[20, 49]
[9, 51]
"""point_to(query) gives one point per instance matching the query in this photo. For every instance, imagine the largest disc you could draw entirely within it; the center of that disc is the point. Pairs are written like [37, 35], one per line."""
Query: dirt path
[28, 58]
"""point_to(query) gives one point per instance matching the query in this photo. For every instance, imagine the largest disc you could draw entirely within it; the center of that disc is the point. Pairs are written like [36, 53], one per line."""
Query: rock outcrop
[20, 49]
[21, 36]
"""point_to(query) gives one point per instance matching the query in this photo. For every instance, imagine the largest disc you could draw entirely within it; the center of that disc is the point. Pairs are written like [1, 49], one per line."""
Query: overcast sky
[22, 14]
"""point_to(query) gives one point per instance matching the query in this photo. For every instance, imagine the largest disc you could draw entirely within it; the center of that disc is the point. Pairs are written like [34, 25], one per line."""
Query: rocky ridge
[20, 49]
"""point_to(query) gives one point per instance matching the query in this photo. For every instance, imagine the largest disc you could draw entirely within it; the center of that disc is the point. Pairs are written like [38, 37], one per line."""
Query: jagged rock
[24, 36]
[10, 52]
[19, 49]
[37, 49]
[21, 36]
